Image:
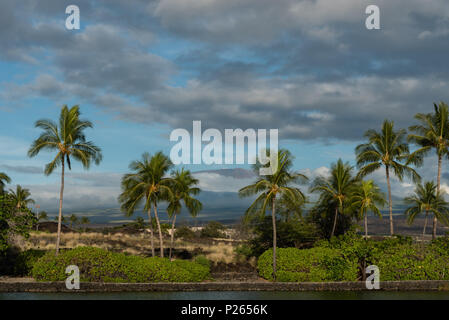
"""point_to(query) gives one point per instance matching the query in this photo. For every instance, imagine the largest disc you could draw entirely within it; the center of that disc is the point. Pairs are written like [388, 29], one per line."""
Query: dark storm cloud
[309, 68]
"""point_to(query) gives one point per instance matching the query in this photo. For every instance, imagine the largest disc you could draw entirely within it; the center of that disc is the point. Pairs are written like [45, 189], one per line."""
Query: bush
[19, 263]
[184, 233]
[213, 229]
[315, 264]
[98, 265]
[293, 233]
[202, 260]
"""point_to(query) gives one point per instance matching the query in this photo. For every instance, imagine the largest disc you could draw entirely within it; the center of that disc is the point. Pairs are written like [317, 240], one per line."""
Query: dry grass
[216, 250]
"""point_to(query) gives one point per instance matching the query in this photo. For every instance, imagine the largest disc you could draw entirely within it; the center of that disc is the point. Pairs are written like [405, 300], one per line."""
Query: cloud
[23, 169]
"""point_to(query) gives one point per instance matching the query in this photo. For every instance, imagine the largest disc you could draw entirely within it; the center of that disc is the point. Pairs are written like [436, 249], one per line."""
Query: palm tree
[67, 139]
[183, 188]
[367, 197]
[337, 187]
[21, 197]
[289, 209]
[389, 149]
[432, 133]
[270, 187]
[73, 220]
[147, 186]
[84, 221]
[426, 199]
[4, 179]
[40, 217]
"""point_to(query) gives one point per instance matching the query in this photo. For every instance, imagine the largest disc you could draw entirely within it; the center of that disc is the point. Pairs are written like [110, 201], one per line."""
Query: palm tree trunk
[151, 232]
[435, 221]
[273, 215]
[58, 239]
[161, 241]
[172, 235]
[335, 222]
[366, 224]
[390, 204]
[425, 224]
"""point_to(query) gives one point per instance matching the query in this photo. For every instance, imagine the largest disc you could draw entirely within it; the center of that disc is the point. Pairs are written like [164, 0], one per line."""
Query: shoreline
[29, 285]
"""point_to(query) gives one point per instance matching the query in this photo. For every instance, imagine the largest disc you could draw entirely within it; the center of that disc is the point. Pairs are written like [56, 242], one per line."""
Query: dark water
[232, 295]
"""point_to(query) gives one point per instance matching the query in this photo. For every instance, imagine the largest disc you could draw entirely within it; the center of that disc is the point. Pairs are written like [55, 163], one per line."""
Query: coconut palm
[84, 221]
[67, 139]
[183, 189]
[289, 209]
[73, 220]
[271, 187]
[42, 216]
[367, 197]
[426, 200]
[389, 149]
[432, 132]
[147, 186]
[21, 197]
[337, 188]
[4, 179]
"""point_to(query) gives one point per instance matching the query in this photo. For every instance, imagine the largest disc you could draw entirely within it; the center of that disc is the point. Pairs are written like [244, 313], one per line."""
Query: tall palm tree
[389, 149]
[4, 179]
[183, 189]
[367, 197]
[432, 132]
[426, 199]
[21, 197]
[270, 187]
[67, 139]
[147, 186]
[337, 187]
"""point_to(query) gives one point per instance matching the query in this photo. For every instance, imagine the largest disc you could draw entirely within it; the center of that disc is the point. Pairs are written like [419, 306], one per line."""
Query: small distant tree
[213, 229]
[42, 216]
[84, 222]
[73, 220]
[140, 223]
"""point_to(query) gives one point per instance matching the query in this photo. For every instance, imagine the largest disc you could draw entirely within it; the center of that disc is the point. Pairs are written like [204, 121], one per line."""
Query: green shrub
[213, 229]
[185, 233]
[98, 265]
[315, 264]
[411, 262]
[202, 260]
[14, 262]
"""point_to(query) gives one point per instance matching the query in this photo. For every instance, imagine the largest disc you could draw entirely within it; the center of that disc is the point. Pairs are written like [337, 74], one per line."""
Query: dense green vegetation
[345, 258]
[104, 266]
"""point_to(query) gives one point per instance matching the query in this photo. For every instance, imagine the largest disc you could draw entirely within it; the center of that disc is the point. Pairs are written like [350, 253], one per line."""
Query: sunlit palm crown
[339, 185]
[270, 186]
[425, 199]
[367, 196]
[147, 183]
[387, 148]
[432, 131]
[183, 188]
[4, 179]
[67, 138]
[21, 197]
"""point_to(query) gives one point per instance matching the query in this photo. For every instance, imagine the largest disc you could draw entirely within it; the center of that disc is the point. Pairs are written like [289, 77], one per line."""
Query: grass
[216, 250]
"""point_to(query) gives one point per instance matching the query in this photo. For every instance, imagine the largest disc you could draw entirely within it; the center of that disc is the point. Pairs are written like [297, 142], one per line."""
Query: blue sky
[140, 69]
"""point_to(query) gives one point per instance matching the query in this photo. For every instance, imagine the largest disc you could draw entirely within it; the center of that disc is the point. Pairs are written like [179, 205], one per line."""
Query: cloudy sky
[140, 69]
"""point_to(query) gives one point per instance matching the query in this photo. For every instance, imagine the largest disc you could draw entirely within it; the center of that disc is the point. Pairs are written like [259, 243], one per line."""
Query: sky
[139, 69]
